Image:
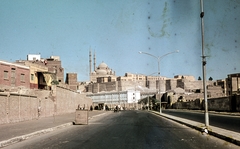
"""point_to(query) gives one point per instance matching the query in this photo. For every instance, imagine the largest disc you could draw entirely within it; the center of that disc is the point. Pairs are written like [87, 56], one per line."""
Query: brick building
[54, 65]
[71, 80]
[43, 72]
[14, 75]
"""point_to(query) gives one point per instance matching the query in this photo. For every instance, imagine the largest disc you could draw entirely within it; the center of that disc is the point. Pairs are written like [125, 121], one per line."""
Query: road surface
[125, 130]
[228, 122]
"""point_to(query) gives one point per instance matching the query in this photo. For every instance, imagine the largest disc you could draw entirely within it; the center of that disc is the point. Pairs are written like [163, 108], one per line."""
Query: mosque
[102, 73]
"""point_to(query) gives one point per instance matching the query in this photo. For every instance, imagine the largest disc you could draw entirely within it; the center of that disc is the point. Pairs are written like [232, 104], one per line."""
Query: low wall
[235, 103]
[228, 104]
[68, 101]
[34, 104]
[193, 105]
[61, 101]
[17, 107]
[219, 104]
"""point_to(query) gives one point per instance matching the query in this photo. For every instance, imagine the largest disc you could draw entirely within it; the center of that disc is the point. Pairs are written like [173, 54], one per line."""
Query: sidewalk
[229, 136]
[16, 132]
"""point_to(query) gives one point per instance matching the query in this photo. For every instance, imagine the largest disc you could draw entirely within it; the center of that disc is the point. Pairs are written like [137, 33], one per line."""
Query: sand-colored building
[233, 84]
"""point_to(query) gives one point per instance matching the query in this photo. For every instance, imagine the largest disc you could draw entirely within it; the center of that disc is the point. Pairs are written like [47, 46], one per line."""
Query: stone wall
[67, 101]
[192, 85]
[237, 98]
[171, 84]
[34, 104]
[17, 107]
[190, 97]
[227, 104]
[235, 102]
[127, 85]
[219, 104]
[107, 86]
[193, 105]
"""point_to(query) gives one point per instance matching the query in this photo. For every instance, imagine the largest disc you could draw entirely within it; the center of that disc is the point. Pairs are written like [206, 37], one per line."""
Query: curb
[210, 132]
[27, 136]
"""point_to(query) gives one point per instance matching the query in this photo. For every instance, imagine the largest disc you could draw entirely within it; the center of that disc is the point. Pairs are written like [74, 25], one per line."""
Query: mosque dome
[102, 69]
[103, 66]
[101, 72]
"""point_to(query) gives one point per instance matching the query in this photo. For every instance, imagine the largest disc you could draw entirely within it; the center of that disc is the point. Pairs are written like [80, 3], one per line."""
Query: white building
[33, 57]
[127, 98]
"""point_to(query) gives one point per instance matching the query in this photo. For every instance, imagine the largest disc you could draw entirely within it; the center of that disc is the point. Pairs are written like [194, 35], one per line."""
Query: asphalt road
[228, 122]
[125, 130]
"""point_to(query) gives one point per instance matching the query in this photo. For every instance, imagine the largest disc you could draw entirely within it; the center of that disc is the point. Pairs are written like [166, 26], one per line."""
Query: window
[32, 77]
[22, 78]
[5, 75]
[13, 72]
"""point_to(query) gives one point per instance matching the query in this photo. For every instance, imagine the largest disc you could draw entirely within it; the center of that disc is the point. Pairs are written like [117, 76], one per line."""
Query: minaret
[90, 63]
[94, 60]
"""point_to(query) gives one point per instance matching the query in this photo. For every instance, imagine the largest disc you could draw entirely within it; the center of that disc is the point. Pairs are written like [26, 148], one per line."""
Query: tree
[210, 79]
[199, 78]
[54, 82]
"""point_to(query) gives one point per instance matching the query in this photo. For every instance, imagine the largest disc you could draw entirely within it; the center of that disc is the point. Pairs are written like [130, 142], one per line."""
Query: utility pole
[204, 62]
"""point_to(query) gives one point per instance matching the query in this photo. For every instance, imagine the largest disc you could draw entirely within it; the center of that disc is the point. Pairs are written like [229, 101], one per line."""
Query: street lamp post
[204, 62]
[148, 103]
[158, 59]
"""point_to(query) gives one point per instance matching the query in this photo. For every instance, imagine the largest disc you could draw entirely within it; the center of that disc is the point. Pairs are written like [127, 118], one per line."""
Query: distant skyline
[118, 30]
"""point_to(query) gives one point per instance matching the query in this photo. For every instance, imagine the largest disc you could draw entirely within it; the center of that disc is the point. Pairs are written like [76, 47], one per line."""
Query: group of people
[83, 108]
[117, 108]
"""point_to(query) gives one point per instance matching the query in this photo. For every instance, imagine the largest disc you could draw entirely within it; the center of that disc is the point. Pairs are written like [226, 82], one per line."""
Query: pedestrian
[39, 111]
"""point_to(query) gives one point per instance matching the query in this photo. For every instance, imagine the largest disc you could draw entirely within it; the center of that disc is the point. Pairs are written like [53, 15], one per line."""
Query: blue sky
[117, 29]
